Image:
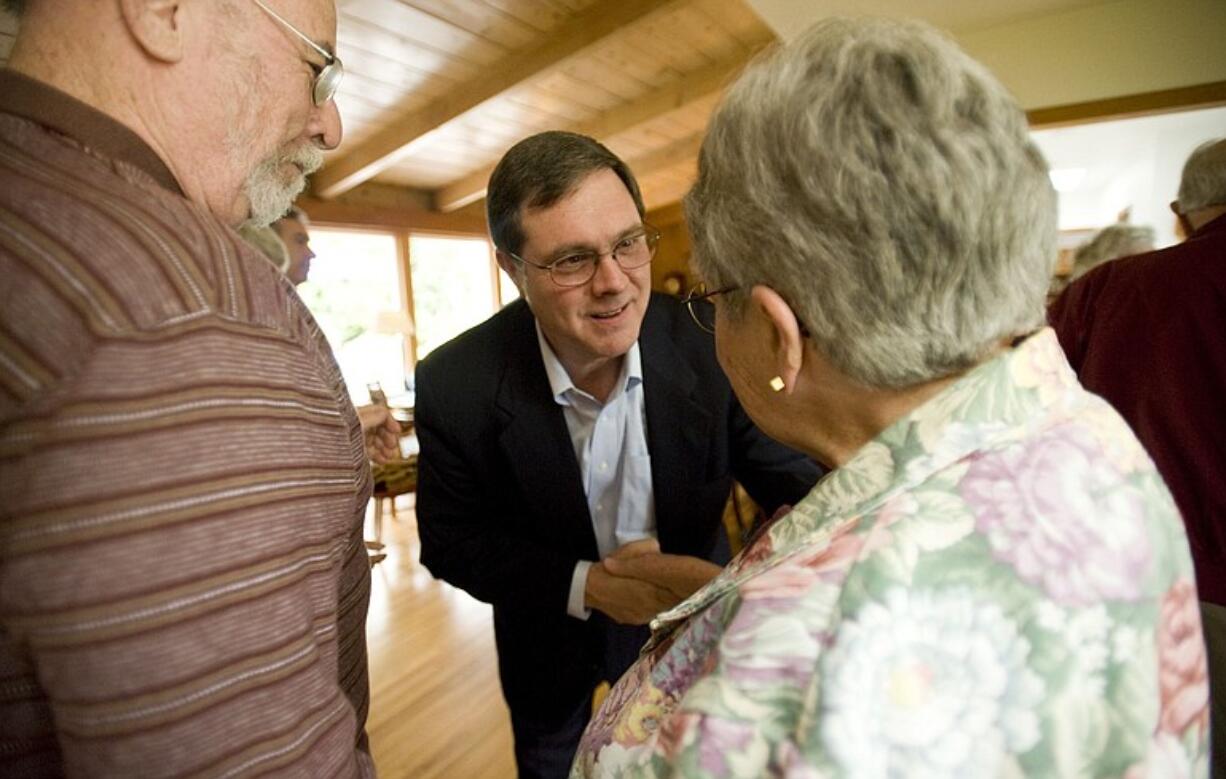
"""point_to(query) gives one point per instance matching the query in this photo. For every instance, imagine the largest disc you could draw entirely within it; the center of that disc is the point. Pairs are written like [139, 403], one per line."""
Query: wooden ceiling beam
[398, 137]
[684, 151]
[336, 212]
[690, 89]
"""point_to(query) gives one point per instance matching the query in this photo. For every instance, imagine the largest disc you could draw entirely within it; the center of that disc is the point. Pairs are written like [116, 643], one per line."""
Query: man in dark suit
[578, 447]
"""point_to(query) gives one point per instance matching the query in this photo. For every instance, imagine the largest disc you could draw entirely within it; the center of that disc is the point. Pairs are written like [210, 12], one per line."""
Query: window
[1103, 169]
[455, 286]
[354, 292]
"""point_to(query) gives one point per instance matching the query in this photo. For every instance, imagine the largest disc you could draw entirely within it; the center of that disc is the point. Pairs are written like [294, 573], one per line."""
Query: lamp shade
[394, 323]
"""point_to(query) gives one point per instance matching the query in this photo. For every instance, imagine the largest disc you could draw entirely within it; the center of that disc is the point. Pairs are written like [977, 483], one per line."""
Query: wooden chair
[392, 479]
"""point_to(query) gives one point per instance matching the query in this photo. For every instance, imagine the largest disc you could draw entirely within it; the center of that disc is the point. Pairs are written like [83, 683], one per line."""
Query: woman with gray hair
[993, 580]
[1110, 243]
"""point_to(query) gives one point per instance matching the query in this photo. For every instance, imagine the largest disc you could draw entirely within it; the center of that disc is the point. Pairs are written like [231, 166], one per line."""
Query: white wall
[1128, 163]
[1056, 52]
[1108, 50]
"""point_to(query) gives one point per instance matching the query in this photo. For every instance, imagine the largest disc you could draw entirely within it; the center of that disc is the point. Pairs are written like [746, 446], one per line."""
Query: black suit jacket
[501, 508]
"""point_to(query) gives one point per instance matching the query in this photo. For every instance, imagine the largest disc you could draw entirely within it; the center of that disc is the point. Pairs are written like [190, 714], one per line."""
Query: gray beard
[268, 195]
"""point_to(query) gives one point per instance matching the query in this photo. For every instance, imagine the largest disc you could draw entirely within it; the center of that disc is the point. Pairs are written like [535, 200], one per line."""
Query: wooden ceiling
[8, 33]
[435, 91]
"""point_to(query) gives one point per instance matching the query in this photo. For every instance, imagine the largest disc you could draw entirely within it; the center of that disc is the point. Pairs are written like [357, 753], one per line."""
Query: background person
[269, 244]
[293, 229]
[1111, 243]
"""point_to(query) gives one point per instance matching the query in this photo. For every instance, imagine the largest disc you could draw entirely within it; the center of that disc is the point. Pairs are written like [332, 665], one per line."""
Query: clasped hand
[638, 581]
[381, 433]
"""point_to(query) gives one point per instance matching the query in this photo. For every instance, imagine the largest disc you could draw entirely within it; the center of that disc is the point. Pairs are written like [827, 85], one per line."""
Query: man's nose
[326, 127]
[610, 277]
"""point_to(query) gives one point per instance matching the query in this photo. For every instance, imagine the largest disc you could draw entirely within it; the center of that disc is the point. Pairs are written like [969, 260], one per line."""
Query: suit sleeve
[467, 536]
[773, 474]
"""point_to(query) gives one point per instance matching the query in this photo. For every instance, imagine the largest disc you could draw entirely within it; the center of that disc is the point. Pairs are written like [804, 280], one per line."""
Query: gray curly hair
[1112, 242]
[884, 183]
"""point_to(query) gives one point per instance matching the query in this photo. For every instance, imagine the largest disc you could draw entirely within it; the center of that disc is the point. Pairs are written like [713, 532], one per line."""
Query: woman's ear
[787, 345]
[157, 26]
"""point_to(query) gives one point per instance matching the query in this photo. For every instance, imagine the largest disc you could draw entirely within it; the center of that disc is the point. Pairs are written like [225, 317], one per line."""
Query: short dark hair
[15, 7]
[538, 172]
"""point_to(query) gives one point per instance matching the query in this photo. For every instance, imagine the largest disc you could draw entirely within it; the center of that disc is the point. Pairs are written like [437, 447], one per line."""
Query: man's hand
[637, 582]
[680, 575]
[635, 548]
[628, 601]
[381, 431]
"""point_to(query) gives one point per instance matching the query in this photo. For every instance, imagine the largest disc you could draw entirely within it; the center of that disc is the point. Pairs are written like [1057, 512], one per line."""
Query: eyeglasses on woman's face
[703, 313]
[574, 269]
[699, 305]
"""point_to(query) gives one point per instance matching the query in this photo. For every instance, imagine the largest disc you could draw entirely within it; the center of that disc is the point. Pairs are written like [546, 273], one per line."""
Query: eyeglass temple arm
[328, 56]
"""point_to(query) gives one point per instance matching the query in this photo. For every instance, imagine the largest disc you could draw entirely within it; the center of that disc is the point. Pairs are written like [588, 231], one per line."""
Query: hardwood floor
[436, 709]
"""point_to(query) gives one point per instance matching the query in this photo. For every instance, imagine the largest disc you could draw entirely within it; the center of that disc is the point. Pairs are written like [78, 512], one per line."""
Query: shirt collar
[1004, 399]
[998, 401]
[1218, 224]
[560, 383]
[43, 104]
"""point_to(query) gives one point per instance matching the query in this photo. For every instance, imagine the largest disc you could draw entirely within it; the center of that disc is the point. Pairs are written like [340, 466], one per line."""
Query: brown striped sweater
[183, 584]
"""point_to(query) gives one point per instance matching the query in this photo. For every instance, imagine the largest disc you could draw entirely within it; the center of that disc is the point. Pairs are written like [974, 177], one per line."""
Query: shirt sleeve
[578, 587]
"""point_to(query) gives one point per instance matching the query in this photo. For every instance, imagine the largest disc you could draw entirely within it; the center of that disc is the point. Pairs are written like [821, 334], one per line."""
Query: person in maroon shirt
[1148, 333]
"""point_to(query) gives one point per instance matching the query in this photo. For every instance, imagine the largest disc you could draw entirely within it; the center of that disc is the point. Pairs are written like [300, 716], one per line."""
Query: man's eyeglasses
[701, 311]
[576, 269]
[327, 78]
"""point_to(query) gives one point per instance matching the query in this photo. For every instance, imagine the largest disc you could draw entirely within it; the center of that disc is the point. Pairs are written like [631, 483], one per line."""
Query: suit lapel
[536, 443]
[678, 427]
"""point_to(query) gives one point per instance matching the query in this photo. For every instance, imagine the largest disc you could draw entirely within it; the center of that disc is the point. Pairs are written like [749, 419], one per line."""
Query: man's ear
[787, 345]
[511, 268]
[157, 25]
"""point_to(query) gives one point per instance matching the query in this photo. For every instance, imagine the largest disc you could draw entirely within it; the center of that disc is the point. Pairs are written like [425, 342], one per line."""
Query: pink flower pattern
[1183, 672]
[1055, 510]
[1009, 495]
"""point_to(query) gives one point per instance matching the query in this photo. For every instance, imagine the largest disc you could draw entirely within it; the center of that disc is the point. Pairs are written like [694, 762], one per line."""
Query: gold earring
[777, 384]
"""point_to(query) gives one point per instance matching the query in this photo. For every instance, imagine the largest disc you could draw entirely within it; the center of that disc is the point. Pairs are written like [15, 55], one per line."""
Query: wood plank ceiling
[8, 34]
[437, 90]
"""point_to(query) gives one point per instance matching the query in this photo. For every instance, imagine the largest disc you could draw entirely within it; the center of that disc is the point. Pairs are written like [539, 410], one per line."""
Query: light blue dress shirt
[610, 441]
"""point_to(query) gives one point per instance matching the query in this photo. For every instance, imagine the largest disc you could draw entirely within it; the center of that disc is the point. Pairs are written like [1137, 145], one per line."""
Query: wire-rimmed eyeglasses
[578, 268]
[700, 308]
[328, 77]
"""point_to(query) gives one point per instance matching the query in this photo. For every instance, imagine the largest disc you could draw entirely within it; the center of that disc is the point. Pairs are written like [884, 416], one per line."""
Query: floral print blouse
[997, 585]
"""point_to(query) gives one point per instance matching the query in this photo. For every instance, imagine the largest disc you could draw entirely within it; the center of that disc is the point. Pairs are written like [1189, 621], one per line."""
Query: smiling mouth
[610, 314]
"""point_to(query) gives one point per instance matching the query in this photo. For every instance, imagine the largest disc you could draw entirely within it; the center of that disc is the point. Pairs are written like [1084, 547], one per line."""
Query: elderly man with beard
[183, 584]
